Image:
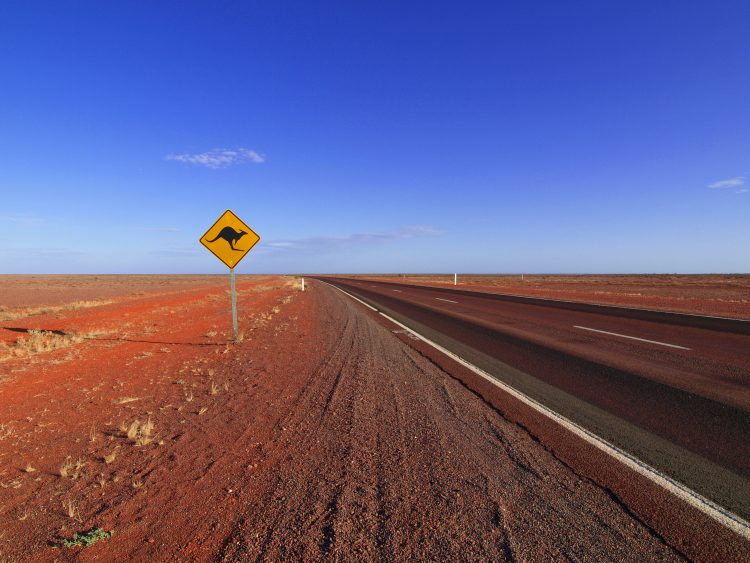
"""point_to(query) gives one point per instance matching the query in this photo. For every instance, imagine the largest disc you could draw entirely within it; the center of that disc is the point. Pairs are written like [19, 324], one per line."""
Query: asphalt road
[674, 390]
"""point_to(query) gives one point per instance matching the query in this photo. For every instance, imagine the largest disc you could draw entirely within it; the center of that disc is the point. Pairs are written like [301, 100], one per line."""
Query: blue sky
[530, 137]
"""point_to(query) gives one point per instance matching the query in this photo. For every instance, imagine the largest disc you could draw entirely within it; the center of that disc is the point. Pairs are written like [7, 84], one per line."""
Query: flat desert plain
[130, 417]
[726, 295]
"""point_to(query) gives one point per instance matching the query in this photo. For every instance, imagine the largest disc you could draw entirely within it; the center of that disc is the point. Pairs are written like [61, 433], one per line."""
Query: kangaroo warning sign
[229, 239]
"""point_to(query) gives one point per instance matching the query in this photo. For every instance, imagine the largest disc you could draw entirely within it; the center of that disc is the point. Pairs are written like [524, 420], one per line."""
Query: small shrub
[86, 539]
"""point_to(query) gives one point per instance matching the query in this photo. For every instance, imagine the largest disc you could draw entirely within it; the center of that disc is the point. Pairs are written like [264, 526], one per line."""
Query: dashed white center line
[446, 300]
[632, 337]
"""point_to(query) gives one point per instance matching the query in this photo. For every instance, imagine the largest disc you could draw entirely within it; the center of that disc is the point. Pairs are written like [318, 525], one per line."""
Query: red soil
[321, 435]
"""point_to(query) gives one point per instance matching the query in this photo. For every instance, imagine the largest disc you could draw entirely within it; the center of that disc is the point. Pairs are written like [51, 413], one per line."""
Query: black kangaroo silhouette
[231, 236]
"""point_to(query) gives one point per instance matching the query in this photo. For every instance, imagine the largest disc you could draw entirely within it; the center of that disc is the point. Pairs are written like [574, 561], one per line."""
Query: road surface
[674, 390]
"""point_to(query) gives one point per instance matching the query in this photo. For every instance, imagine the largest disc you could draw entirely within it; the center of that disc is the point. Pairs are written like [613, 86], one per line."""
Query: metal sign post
[230, 239]
[235, 332]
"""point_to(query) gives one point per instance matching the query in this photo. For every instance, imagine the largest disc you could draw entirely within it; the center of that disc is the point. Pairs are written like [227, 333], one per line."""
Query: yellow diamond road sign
[229, 239]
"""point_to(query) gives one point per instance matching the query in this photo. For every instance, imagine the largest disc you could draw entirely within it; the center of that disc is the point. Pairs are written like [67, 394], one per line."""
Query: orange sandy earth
[321, 435]
[726, 295]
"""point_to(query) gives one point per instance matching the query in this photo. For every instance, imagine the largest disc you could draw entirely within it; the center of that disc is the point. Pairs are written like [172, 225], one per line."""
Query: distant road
[672, 389]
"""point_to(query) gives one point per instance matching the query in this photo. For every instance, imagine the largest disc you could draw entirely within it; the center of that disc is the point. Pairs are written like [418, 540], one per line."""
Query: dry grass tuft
[110, 457]
[137, 484]
[261, 288]
[214, 389]
[6, 315]
[66, 467]
[41, 341]
[210, 334]
[71, 510]
[6, 431]
[29, 468]
[202, 411]
[140, 432]
[123, 400]
[72, 469]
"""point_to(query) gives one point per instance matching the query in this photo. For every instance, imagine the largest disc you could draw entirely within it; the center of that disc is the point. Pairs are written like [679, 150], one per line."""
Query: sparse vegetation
[29, 468]
[140, 432]
[71, 510]
[214, 389]
[72, 469]
[202, 411]
[86, 539]
[6, 431]
[6, 315]
[123, 400]
[41, 341]
[110, 457]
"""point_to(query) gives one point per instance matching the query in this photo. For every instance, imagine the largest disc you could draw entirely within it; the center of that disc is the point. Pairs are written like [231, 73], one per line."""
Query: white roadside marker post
[303, 284]
[455, 279]
[235, 331]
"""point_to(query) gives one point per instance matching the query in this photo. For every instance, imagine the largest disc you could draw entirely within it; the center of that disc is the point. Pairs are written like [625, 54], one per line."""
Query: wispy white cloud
[743, 191]
[184, 252]
[48, 252]
[324, 243]
[22, 220]
[730, 183]
[160, 229]
[219, 158]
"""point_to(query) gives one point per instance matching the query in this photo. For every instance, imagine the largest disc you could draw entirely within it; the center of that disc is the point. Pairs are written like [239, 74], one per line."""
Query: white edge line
[631, 337]
[696, 500]
[448, 300]
[352, 296]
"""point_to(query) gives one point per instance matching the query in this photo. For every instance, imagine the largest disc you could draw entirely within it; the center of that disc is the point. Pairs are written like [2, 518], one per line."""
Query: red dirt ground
[26, 291]
[712, 294]
[321, 435]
